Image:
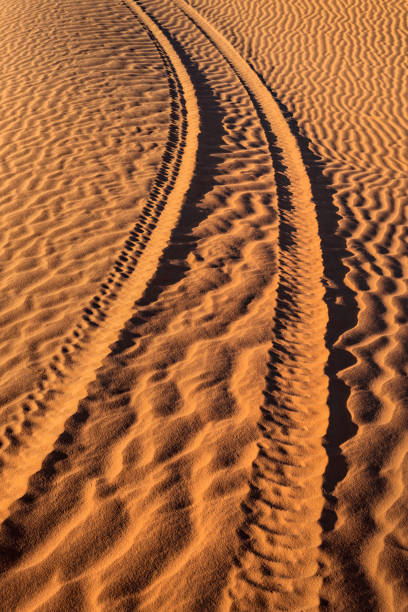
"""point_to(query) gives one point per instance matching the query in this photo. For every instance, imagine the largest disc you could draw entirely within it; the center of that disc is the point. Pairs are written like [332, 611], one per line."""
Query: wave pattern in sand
[340, 69]
[210, 433]
[83, 124]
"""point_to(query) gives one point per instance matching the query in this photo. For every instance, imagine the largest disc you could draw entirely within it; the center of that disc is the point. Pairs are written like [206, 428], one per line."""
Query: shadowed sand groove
[342, 313]
[178, 370]
[175, 397]
[133, 269]
[277, 567]
[340, 69]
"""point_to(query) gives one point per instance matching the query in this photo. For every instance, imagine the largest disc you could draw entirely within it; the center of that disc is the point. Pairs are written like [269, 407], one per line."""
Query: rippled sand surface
[204, 305]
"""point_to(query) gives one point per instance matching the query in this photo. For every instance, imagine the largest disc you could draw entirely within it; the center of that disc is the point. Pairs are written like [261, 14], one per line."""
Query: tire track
[193, 371]
[294, 416]
[82, 137]
[340, 69]
[279, 511]
[278, 561]
[44, 411]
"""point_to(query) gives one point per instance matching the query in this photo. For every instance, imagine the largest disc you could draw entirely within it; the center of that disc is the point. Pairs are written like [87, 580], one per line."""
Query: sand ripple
[204, 305]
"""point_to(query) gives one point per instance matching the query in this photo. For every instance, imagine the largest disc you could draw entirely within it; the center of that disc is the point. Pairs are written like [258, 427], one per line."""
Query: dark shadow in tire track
[182, 241]
[342, 316]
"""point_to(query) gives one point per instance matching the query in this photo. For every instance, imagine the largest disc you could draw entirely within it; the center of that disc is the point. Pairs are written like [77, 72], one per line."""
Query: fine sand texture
[203, 305]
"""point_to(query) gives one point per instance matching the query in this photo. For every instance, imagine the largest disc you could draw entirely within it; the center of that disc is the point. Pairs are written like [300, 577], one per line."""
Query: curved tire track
[278, 565]
[280, 536]
[44, 412]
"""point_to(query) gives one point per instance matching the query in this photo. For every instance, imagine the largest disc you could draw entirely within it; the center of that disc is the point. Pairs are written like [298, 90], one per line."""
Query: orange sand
[204, 305]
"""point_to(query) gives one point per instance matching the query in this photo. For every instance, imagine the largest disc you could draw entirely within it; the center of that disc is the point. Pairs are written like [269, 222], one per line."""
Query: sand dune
[203, 373]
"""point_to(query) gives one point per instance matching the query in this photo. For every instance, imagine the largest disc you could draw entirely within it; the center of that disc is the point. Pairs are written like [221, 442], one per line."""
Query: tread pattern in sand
[64, 383]
[340, 69]
[184, 369]
[277, 567]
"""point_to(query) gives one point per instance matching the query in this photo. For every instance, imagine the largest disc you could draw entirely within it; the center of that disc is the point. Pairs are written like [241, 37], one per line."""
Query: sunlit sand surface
[204, 305]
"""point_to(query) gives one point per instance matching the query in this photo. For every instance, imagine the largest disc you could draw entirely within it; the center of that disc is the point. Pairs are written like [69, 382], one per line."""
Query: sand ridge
[221, 424]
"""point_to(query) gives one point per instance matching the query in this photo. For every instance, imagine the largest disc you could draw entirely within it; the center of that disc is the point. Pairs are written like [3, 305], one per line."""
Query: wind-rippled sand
[204, 306]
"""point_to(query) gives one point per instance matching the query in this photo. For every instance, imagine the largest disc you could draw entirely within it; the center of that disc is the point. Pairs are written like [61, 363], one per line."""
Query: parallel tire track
[44, 411]
[278, 563]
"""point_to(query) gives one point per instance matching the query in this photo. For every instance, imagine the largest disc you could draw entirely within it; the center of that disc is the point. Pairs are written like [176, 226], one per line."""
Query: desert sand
[204, 305]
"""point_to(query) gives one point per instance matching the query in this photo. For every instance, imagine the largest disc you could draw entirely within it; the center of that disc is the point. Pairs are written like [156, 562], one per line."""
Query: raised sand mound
[204, 306]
